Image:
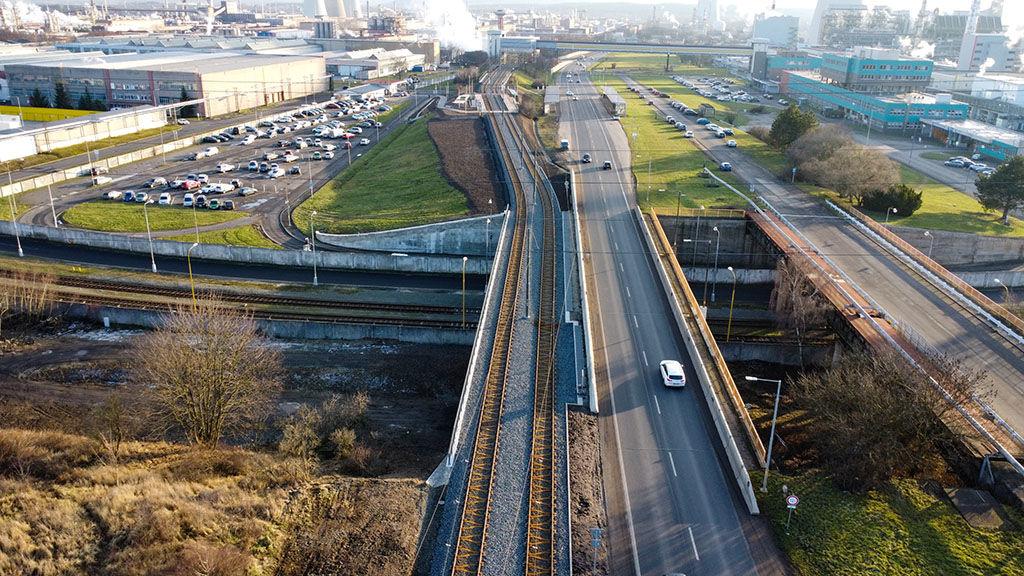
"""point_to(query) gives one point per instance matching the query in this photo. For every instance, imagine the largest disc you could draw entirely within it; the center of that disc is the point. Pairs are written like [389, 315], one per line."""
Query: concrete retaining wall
[1009, 278]
[739, 244]
[476, 236]
[784, 354]
[291, 328]
[952, 249]
[336, 260]
[723, 276]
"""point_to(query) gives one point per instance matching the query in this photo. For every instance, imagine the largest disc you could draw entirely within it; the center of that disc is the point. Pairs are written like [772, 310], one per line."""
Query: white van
[211, 151]
[101, 180]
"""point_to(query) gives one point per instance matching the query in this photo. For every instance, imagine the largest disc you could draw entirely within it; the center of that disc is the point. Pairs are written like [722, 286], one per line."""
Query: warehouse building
[226, 82]
[373, 63]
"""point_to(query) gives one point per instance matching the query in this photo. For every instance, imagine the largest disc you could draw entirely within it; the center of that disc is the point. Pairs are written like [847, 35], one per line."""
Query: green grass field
[247, 235]
[397, 109]
[396, 184]
[108, 216]
[19, 207]
[940, 156]
[901, 530]
[81, 148]
[666, 164]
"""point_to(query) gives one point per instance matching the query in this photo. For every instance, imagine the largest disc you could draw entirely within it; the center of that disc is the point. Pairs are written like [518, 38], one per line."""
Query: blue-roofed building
[902, 112]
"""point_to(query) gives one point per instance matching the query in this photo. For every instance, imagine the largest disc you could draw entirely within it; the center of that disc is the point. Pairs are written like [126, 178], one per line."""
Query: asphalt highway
[672, 508]
[909, 299]
[166, 265]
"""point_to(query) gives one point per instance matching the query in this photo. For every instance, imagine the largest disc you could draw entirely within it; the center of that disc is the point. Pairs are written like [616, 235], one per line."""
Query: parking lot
[285, 171]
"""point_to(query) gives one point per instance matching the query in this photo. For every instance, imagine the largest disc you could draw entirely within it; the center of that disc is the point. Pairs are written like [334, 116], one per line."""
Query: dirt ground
[50, 378]
[588, 505]
[466, 161]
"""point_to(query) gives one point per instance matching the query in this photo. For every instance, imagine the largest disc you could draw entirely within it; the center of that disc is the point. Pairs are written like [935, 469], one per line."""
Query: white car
[688, 134]
[672, 374]
[225, 167]
[112, 195]
[188, 200]
[183, 122]
[166, 199]
[254, 165]
[364, 142]
[141, 197]
[730, 143]
[327, 155]
[275, 173]
[203, 178]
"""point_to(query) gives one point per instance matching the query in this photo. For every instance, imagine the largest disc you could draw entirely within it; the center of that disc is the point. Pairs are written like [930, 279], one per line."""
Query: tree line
[62, 99]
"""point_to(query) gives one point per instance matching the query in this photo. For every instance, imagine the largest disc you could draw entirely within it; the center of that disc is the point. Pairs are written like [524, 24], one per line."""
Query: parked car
[954, 163]
[703, 121]
[200, 201]
[688, 134]
[254, 165]
[318, 156]
[364, 141]
[228, 205]
[295, 170]
[730, 143]
[165, 199]
[328, 155]
[247, 191]
[203, 179]
[183, 122]
[190, 185]
[112, 195]
[188, 200]
[128, 196]
[214, 204]
[141, 196]
[225, 167]
[275, 173]
[586, 159]
[156, 182]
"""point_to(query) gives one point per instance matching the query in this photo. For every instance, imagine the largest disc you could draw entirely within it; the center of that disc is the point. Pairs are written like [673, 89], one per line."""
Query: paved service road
[672, 508]
[905, 296]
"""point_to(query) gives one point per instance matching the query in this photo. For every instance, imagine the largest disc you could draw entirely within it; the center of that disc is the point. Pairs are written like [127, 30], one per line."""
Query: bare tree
[818, 143]
[795, 300]
[209, 371]
[852, 171]
[873, 418]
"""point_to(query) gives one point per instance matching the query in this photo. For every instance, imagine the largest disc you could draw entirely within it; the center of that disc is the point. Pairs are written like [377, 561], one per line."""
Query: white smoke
[670, 18]
[454, 25]
[923, 50]
[988, 64]
[31, 15]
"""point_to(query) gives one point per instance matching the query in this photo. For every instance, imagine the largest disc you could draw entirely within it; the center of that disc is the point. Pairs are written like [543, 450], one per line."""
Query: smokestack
[970, 38]
[501, 20]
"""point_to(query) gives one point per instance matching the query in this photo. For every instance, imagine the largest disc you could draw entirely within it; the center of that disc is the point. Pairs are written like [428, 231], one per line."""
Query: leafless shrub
[344, 442]
[760, 132]
[113, 424]
[852, 171]
[818, 144]
[208, 371]
[202, 559]
[875, 418]
[27, 294]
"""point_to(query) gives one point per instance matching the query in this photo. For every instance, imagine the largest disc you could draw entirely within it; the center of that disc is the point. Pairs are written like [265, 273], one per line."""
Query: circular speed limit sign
[792, 500]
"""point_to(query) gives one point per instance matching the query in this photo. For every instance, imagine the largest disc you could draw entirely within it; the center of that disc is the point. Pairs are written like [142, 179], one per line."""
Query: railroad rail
[540, 529]
[70, 290]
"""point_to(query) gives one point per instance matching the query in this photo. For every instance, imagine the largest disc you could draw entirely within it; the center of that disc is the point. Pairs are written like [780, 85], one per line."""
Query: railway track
[101, 293]
[477, 509]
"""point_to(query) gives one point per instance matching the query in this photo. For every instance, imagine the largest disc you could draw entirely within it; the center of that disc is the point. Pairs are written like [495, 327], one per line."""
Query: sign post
[791, 502]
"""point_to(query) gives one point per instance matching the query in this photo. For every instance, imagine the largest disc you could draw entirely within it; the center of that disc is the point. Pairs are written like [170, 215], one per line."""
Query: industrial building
[10, 55]
[779, 31]
[227, 82]
[894, 112]
[430, 49]
[372, 63]
[876, 71]
[990, 141]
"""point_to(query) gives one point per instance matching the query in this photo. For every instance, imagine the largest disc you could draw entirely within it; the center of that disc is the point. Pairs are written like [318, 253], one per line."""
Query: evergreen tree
[1003, 189]
[791, 124]
[38, 100]
[85, 101]
[61, 99]
[186, 111]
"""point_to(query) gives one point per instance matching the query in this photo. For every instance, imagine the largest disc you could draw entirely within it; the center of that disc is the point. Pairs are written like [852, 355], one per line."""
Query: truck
[565, 144]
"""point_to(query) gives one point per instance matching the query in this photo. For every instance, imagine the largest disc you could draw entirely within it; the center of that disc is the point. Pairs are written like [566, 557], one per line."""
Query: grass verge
[398, 183]
[238, 236]
[397, 109]
[940, 156]
[107, 216]
[19, 207]
[901, 529]
[81, 148]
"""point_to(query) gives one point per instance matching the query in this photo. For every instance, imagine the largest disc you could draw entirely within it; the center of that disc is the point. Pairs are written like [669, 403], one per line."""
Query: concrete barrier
[588, 333]
[240, 254]
[476, 236]
[732, 452]
[953, 249]
[1007, 278]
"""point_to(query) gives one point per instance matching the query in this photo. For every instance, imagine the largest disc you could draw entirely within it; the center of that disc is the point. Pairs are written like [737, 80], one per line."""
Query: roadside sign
[791, 501]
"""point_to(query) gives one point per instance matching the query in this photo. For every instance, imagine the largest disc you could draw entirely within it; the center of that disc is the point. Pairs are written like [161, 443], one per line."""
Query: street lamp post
[732, 302]
[191, 281]
[931, 242]
[195, 220]
[312, 239]
[714, 279]
[1005, 287]
[149, 234]
[53, 209]
[14, 223]
[888, 212]
[775, 417]
[696, 237]
[464, 260]
[487, 238]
